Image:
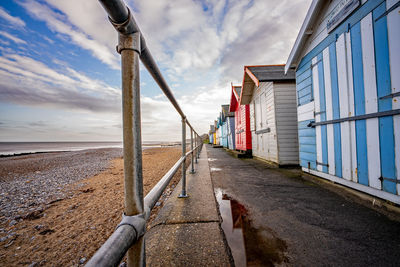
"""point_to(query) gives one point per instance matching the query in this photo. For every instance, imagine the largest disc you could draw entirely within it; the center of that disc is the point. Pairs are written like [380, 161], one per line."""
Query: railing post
[197, 149]
[183, 193]
[129, 47]
[193, 152]
[200, 145]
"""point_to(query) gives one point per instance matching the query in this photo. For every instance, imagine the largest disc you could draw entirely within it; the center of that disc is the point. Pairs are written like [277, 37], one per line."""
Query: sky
[60, 76]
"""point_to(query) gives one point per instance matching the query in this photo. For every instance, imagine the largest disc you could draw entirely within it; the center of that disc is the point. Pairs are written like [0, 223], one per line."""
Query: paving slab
[194, 244]
[187, 230]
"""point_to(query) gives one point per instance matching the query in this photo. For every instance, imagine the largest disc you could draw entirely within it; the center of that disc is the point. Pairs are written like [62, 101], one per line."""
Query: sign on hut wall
[340, 12]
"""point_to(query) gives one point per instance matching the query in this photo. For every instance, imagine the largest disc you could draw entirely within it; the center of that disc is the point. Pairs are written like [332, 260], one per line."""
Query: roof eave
[278, 80]
[247, 86]
[303, 34]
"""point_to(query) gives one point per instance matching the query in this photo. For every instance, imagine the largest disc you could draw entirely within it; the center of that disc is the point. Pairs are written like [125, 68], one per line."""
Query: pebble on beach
[28, 183]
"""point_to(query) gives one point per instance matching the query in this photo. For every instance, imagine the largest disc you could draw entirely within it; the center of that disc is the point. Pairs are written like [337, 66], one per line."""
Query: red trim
[234, 99]
[251, 75]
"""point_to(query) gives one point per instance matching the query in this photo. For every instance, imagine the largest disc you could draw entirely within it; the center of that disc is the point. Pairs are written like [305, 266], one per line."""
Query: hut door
[258, 121]
[266, 135]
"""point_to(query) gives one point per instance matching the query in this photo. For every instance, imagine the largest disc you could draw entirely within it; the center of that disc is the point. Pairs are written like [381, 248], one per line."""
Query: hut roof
[212, 128]
[225, 111]
[235, 95]
[305, 32]
[253, 75]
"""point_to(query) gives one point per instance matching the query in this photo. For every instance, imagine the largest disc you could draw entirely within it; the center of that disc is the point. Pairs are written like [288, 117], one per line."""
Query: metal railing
[128, 238]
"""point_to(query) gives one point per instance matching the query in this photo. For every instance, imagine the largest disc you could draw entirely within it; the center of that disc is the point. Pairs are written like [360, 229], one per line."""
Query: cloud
[38, 124]
[258, 33]
[201, 46]
[26, 81]
[59, 23]
[196, 36]
[16, 21]
[12, 38]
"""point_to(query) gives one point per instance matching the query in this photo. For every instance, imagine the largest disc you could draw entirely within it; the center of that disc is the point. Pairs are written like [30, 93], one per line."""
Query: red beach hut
[242, 121]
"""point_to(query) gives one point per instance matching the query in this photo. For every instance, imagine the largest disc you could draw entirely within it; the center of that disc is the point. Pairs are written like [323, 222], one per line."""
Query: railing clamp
[137, 222]
[129, 42]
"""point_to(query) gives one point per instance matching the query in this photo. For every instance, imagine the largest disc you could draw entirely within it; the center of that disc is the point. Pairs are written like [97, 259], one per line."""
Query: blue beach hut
[230, 126]
[347, 64]
[224, 132]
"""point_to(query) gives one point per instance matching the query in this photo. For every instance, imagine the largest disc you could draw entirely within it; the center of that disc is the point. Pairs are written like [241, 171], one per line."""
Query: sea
[15, 148]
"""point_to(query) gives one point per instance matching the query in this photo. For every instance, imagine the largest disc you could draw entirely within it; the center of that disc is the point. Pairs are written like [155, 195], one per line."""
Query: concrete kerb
[187, 231]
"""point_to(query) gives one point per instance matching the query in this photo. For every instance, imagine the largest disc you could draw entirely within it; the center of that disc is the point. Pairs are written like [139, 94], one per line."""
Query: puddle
[211, 159]
[231, 213]
[215, 169]
[249, 246]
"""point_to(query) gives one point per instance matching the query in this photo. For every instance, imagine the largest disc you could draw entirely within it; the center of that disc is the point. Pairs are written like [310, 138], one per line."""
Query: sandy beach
[58, 208]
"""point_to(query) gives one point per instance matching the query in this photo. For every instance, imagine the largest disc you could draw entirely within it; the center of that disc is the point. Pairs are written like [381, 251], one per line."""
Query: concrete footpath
[278, 217]
[288, 218]
[187, 231]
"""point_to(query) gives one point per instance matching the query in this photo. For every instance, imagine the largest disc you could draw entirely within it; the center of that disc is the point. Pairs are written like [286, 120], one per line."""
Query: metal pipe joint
[129, 42]
[127, 28]
[137, 222]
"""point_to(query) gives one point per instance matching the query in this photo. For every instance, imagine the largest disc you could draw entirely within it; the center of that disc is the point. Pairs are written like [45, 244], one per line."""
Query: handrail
[119, 14]
[113, 250]
[128, 237]
[152, 197]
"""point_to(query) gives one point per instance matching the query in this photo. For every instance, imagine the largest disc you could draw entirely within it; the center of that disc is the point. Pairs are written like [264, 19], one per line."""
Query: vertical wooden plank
[323, 113]
[393, 25]
[344, 106]
[317, 110]
[336, 109]
[359, 104]
[386, 137]
[349, 69]
[329, 115]
[390, 3]
[371, 102]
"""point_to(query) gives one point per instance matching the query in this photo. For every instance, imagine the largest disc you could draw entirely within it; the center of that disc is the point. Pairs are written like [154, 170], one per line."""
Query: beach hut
[216, 138]
[242, 121]
[222, 129]
[211, 134]
[347, 64]
[219, 130]
[224, 133]
[273, 113]
[230, 126]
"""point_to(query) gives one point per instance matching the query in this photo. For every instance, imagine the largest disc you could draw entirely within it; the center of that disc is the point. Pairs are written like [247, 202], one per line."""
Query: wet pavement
[276, 217]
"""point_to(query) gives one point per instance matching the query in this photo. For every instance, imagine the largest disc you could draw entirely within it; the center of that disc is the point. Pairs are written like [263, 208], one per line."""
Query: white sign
[340, 12]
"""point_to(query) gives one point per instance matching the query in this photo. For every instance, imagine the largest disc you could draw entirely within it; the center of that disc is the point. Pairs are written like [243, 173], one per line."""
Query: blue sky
[60, 74]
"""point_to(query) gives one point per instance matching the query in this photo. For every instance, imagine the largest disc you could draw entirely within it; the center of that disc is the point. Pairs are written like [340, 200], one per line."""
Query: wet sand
[69, 229]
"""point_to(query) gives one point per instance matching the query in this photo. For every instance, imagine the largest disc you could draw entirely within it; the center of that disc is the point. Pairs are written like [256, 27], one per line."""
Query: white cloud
[12, 38]
[201, 46]
[26, 81]
[15, 21]
[59, 23]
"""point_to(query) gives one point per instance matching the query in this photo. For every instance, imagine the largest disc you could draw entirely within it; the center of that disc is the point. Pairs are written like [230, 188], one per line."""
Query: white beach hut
[273, 113]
